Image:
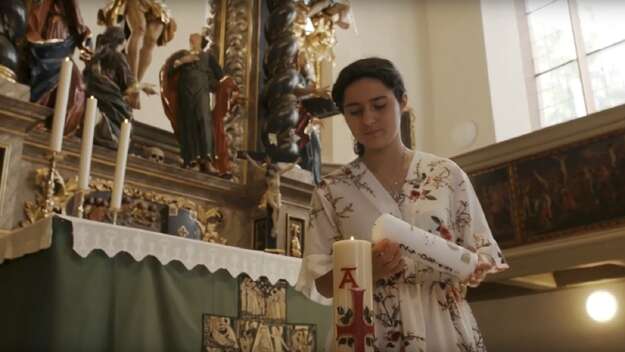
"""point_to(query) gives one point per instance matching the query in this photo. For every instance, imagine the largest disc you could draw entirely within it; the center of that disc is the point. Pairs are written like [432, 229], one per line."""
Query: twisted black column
[12, 29]
[279, 102]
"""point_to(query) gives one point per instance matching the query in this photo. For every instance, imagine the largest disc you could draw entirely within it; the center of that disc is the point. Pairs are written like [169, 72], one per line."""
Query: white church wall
[190, 15]
[459, 85]
[505, 57]
[439, 48]
[552, 321]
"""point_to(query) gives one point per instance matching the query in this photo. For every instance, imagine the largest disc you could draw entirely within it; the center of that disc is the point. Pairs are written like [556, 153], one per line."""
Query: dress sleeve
[322, 232]
[471, 227]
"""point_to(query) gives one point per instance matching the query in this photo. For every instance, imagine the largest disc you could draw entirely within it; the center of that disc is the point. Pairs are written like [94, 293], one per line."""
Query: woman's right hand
[386, 259]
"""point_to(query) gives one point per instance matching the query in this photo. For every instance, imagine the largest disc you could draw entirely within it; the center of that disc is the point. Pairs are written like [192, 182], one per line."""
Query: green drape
[55, 300]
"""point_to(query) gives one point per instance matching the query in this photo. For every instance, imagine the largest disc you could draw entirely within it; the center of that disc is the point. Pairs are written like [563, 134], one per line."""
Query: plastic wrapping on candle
[425, 248]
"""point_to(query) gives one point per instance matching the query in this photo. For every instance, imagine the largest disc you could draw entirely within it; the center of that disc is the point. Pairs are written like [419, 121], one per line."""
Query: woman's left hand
[481, 269]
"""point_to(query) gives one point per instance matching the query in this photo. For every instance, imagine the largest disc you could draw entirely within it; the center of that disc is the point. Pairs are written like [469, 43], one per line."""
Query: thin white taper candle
[120, 166]
[60, 106]
[87, 143]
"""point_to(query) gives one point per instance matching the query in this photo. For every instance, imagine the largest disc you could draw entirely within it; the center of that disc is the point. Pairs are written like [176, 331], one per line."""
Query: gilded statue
[208, 223]
[109, 79]
[197, 98]
[55, 29]
[148, 23]
[295, 234]
[272, 198]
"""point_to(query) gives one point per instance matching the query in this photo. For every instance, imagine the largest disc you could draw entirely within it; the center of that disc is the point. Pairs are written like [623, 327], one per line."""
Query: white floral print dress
[419, 309]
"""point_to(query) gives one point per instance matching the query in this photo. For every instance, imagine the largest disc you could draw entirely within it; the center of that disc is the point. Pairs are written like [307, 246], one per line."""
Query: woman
[416, 307]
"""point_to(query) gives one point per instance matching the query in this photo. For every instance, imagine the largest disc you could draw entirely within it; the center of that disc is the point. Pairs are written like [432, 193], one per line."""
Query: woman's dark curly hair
[373, 67]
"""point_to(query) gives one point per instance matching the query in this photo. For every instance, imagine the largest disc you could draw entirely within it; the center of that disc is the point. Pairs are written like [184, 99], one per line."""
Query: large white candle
[426, 248]
[60, 106]
[353, 296]
[87, 143]
[120, 166]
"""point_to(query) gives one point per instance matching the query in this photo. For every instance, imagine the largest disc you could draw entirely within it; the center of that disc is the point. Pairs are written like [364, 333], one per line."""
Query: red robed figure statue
[198, 99]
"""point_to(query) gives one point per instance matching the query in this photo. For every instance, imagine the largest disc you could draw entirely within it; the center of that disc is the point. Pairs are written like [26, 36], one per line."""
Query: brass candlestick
[48, 208]
[80, 206]
[115, 214]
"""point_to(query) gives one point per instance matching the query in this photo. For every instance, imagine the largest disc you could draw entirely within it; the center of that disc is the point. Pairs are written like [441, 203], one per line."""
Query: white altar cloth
[111, 239]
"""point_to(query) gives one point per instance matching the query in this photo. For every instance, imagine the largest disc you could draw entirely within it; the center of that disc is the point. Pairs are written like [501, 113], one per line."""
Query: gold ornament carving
[208, 219]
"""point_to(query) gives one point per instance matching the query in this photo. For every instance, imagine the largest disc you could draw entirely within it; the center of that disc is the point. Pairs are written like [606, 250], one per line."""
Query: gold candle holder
[48, 208]
[80, 204]
[115, 212]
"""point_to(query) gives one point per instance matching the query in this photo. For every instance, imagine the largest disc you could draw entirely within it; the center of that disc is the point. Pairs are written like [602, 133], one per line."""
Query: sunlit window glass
[551, 36]
[533, 5]
[560, 95]
[607, 76]
[602, 23]
[568, 85]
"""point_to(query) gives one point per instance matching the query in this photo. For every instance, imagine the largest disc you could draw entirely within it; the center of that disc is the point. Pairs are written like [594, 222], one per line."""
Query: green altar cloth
[55, 300]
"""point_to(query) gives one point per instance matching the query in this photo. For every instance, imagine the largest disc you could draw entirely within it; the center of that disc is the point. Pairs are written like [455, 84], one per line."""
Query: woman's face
[372, 113]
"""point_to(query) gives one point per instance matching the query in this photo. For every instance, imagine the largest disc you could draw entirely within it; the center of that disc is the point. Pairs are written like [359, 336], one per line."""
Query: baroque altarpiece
[274, 61]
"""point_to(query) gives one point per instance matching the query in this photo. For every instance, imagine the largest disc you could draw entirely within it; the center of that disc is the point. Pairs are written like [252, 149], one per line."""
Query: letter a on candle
[348, 278]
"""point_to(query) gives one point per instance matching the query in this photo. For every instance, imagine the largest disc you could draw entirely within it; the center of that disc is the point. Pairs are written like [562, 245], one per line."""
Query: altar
[123, 241]
[88, 286]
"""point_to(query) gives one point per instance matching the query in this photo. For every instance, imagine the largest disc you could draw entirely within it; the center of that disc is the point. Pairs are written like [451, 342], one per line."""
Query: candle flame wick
[351, 238]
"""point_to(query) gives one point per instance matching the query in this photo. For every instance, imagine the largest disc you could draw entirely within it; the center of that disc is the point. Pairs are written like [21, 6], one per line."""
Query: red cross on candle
[359, 329]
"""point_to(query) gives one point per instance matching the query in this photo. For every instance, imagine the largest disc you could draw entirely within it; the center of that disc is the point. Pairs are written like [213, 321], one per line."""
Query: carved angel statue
[197, 98]
[212, 219]
[296, 241]
[315, 29]
[147, 23]
[339, 11]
